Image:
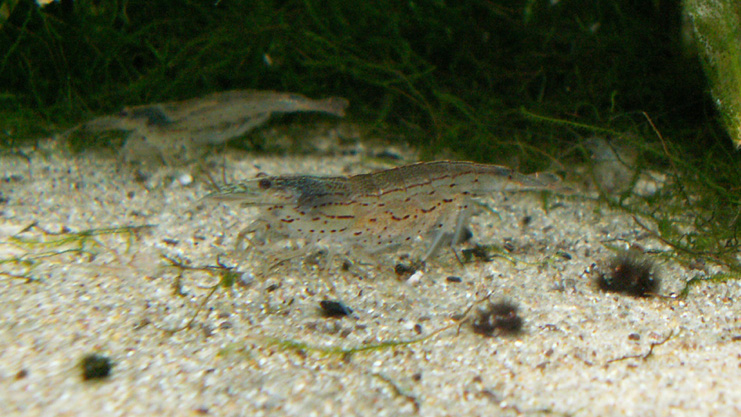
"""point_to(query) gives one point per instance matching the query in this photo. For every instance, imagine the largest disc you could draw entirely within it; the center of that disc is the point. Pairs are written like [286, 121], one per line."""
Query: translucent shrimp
[378, 210]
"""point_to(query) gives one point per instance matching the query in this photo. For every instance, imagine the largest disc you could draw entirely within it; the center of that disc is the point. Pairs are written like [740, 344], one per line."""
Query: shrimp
[378, 210]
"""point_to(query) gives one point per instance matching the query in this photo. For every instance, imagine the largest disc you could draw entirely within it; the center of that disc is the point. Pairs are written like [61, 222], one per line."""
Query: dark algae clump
[629, 273]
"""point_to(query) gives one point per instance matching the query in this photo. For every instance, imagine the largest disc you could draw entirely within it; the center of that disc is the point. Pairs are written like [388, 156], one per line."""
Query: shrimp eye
[264, 184]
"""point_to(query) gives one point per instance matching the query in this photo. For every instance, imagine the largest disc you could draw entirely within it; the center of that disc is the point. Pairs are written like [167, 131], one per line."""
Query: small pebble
[185, 179]
[498, 317]
[95, 366]
[404, 270]
[334, 309]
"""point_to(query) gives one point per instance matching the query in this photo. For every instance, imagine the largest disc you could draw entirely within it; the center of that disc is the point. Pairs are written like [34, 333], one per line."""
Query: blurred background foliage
[457, 74]
[521, 82]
